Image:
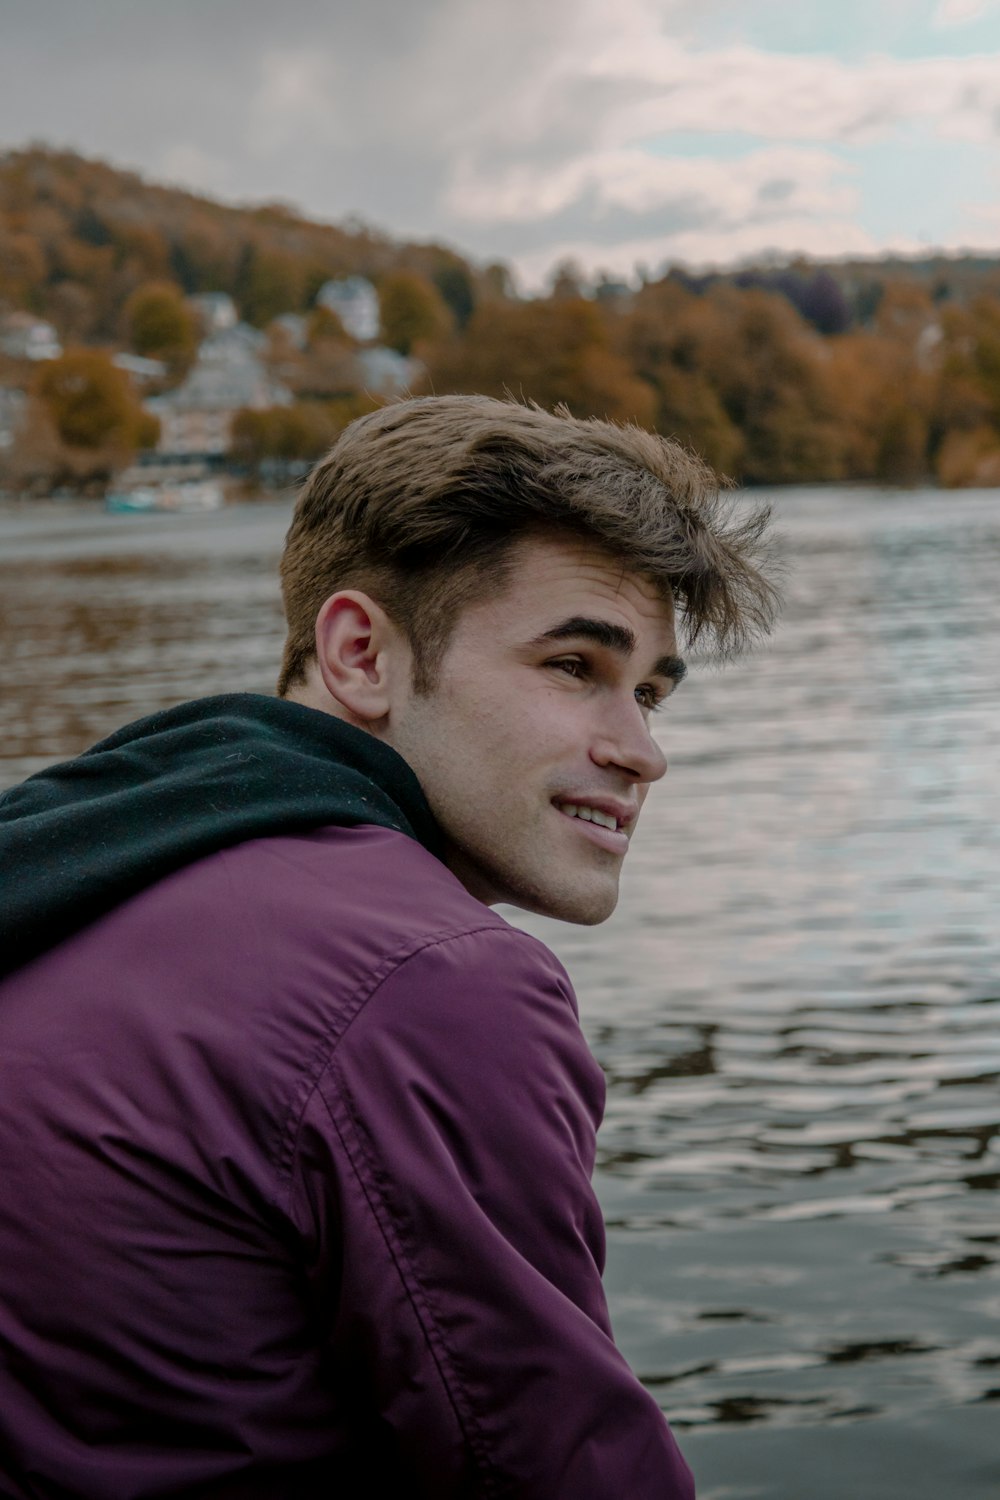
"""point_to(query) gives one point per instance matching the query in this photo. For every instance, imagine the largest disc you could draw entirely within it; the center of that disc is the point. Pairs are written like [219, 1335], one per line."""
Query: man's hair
[420, 505]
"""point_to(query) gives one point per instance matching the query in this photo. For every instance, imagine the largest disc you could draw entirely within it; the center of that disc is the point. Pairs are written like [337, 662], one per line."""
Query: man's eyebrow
[612, 637]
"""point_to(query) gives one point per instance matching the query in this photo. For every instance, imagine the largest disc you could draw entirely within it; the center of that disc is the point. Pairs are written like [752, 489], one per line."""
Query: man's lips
[593, 817]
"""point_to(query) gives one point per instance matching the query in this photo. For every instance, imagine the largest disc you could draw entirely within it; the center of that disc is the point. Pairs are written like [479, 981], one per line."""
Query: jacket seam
[323, 1053]
[406, 1269]
[414, 1290]
[377, 1199]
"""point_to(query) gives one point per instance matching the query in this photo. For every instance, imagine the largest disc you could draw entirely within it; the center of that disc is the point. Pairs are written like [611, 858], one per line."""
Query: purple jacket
[296, 1199]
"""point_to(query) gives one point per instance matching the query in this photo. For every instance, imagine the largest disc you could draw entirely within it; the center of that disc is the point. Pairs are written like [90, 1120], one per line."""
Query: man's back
[297, 1148]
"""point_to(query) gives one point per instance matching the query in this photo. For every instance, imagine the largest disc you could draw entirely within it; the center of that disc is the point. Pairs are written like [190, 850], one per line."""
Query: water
[797, 1003]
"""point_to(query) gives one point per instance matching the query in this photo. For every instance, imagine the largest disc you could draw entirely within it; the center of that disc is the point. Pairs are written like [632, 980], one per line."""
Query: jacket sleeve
[448, 1151]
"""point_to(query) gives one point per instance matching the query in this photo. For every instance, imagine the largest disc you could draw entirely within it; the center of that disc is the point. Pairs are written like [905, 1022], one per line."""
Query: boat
[188, 496]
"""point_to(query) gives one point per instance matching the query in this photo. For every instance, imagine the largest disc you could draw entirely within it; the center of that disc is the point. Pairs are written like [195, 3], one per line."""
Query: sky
[619, 134]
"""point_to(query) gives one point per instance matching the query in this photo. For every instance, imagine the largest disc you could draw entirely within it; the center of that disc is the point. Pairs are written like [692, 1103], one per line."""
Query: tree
[160, 323]
[770, 371]
[292, 435]
[454, 283]
[969, 457]
[823, 304]
[689, 410]
[568, 282]
[92, 402]
[413, 311]
[269, 282]
[882, 404]
[549, 351]
[23, 265]
[662, 337]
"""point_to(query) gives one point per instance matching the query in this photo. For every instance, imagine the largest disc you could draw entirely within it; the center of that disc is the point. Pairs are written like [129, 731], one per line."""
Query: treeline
[883, 371]
[78, 237]
[739, 375]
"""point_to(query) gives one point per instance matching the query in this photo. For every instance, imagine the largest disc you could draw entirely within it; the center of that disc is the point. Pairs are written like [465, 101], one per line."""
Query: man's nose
[626, 741]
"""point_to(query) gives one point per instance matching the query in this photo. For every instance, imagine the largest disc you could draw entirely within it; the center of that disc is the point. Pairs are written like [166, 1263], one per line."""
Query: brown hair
[419, 505]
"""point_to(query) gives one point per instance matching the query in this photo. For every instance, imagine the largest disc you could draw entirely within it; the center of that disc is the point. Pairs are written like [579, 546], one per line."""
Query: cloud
[515, 129]
[792, 97]
[960, 12]
[769, 182]
[296, 99]
[598, 163]
[190, 166]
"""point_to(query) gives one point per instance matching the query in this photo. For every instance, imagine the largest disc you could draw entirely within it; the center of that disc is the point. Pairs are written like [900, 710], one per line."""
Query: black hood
[81, 837]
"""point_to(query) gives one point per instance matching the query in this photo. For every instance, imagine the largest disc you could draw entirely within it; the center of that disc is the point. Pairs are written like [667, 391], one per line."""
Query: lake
[797, 1003]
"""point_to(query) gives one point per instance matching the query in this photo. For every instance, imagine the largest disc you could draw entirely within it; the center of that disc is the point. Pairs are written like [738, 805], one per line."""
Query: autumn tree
[454, 281]
[895, 365]
[769, 371]
[23, 265]
[967, 396]
[568, 282]
[549, 351]
[92, 403]
[662, 336]
[739, 377]
[412, 310]
[882, 404]
[292, 435]
[269, 282]
[160, 323]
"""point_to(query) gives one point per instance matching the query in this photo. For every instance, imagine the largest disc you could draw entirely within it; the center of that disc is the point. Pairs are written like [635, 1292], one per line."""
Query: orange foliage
[91, 402]
[552, 352]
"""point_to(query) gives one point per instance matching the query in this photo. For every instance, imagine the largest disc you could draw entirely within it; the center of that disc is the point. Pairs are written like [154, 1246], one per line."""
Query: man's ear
[357, 650]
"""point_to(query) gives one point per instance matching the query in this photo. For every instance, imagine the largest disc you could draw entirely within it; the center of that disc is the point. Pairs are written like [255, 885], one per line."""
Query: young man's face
[537, 733]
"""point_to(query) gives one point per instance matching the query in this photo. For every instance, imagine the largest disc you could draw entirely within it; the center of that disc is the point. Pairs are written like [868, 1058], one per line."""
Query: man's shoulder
[370, 896]
[379, 874]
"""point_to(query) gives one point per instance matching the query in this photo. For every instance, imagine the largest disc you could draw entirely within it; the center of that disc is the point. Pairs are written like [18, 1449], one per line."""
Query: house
[13, 405]
[228, 374]
[355, 302]
[24, 336]
[216, 311]
[295, 329]
[139, 368]
[386, 372]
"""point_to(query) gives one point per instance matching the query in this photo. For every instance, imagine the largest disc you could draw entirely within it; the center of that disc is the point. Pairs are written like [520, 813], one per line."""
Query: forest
[885, 371]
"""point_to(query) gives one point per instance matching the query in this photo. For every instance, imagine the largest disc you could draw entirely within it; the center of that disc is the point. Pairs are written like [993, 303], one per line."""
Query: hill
[78, 237]
[885, 370]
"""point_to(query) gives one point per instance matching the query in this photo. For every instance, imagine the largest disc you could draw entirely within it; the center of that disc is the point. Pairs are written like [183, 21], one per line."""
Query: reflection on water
[106, 618]
[797, 1003]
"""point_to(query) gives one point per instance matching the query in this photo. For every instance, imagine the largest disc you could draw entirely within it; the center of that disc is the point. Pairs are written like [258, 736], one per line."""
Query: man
[298, 1132]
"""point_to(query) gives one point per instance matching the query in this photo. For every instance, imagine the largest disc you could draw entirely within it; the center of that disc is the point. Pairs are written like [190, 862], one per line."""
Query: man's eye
[571, 665]
[649, 697]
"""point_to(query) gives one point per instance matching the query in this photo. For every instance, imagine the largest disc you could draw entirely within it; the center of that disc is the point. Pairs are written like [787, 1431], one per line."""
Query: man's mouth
[600, 824]
[588, 814]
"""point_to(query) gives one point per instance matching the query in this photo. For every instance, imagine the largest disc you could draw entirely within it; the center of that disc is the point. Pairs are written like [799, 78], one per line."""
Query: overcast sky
[616, 132]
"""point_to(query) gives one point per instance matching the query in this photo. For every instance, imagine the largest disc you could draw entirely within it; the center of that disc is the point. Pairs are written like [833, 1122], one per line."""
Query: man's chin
[583, 908]
[584, 902]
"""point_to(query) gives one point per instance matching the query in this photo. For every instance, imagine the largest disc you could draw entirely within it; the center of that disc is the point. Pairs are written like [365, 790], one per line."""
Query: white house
[215, 310]
[23, 336]
[386, 372]
[13, 405]
[355, 302]
[196, 417]
[294, 327]
[140, 368]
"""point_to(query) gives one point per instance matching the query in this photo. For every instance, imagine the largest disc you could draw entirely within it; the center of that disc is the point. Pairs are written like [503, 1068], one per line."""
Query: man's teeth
[590, 815]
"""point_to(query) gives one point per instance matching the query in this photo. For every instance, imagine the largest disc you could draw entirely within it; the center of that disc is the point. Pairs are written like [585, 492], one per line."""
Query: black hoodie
[81, 837]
